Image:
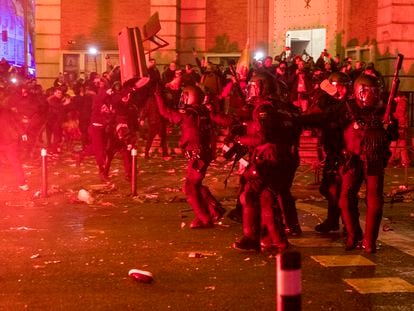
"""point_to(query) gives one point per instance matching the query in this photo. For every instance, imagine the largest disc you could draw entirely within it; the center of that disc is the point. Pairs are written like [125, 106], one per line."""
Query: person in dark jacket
[10, 135]
[122, 131]
[101, 116]
[334, 93]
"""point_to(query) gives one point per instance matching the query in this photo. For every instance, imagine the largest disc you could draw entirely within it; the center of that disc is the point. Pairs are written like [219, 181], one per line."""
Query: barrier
[288, 281]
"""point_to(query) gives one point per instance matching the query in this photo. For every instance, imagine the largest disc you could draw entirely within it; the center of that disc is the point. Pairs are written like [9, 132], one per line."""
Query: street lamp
[259, 55]
[94, 51]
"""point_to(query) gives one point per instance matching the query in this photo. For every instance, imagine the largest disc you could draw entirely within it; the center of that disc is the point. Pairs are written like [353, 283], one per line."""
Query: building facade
[369, 30]
[17, 32]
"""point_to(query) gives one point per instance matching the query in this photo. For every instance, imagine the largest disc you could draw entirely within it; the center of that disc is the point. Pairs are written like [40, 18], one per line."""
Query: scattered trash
[397, 198]
[85, 196]
[386, 228]
[22, 228]
[195, 255]
[107, 204]
[74, 176]
[37, 194]
[212, 287]
[172, 189]
[55, 189]
[20, 203]
[141, 275]
[52, 261]
[403, 187]
[98, 187]
[220, 224]
[151, 196]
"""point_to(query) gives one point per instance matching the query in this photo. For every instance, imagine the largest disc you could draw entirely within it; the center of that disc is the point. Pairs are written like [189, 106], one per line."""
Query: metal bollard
[43, 155]
[134, 172]
[288, 281]
[406, 175]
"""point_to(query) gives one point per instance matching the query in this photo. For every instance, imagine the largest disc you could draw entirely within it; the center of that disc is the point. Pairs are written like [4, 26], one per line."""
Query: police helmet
[342, 83]
[190, 96]
[259, 86]
[367, 91]
[340, 78]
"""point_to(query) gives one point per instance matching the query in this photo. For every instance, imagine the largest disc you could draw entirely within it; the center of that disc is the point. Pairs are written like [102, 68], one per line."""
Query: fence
[410, 107]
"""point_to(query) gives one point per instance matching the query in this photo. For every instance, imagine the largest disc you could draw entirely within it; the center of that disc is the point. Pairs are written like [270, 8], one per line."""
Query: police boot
[327, 226]
[353, 230]
[195, 200]
[103, 175]
[271, 220]
[236, 213]
[196, 223]
[250, 239]
[215, 209]
[290, 214]
[331, 223]
[372, 225]
[273, 234]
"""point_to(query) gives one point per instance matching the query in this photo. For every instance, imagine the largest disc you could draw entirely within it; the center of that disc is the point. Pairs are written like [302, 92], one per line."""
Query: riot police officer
[196, 126]
[364, 157]
[334, 92]
[263, 226]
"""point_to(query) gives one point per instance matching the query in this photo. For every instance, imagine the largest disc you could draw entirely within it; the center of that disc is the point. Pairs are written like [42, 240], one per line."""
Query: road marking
[380, 285]
[311, 241]
[343, 260]
[404, 243]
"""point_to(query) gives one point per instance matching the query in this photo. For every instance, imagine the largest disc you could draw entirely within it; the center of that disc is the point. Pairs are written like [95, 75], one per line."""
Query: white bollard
[288, 281]
[43, 155]
[134, 172]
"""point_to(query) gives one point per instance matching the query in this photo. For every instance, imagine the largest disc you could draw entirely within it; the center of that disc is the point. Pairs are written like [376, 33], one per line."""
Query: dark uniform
[322, 114]
[101, 116]
[263, 194]
[32, 111]
[365, 155]
[157, 125]
[122, 131]
[196, 125]
[55, 118]
[10, 135]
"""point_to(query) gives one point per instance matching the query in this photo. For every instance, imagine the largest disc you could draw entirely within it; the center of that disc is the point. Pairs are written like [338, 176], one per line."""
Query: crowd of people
[265, 106]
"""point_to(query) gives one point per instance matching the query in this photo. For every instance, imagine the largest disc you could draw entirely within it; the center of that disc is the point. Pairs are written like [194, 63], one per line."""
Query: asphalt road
[58, 253]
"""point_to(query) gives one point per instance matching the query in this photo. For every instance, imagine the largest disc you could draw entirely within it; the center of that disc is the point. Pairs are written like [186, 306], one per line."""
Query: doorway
[311, 41]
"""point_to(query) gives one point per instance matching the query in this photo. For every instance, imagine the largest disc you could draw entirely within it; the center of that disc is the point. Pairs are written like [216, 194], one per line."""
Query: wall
[296, 15]
[395, 33]
[226, 25]
[48, 30]
[98, 22]
[75, 25]
[362, 23]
